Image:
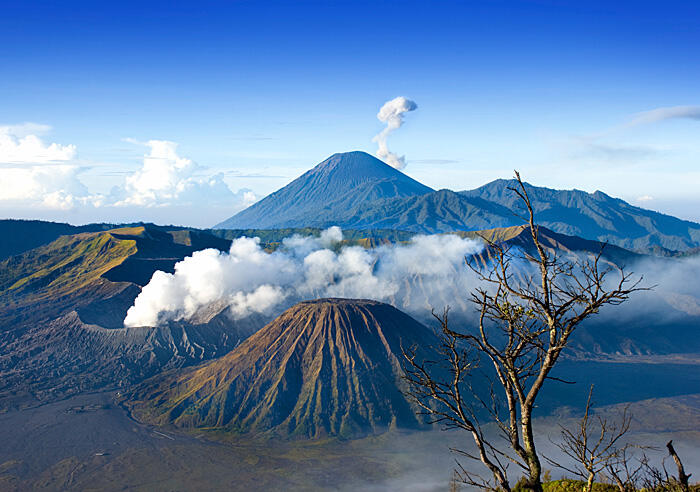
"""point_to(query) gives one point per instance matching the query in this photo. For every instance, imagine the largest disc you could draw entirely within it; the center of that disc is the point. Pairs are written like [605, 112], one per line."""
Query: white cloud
[249, 197]
[166, 179]
[667, 113]
[392, 113]
[38, 175]
[53, 187]
[18, 145]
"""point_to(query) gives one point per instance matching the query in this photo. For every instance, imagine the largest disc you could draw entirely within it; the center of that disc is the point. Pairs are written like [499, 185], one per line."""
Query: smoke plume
[392, 114]
[415, 276]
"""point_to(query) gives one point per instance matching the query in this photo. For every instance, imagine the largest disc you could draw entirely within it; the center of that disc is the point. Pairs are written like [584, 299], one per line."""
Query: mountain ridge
[62, 307]
[596, 216]
[357, 191]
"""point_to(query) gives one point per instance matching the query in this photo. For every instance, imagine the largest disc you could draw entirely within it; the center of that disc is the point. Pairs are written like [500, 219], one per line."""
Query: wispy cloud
[252, 138]
[238, 174]
[27, 128]
[590, 149]
[434, 161]
[134, 141]
[606, 145]
[666, 113]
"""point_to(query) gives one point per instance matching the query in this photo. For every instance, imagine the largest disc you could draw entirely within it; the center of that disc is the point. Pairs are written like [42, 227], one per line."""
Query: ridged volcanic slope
[330, 367]
[336, 185]
[62, 307]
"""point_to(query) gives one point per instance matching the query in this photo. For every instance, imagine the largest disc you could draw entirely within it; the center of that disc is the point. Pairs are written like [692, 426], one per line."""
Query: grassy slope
[66, 266]
[19, 236]
[63, 266]
[57, 277]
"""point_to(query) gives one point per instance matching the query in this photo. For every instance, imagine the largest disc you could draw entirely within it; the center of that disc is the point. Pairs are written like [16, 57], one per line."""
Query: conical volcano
[331, 189]
[330, 367]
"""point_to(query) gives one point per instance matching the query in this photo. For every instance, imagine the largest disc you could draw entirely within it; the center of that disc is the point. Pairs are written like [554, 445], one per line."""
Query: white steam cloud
[414, 276]
[392, 114]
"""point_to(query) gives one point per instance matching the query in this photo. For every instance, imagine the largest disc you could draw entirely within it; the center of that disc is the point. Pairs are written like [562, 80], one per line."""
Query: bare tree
[625, 471]
[527, 314]
[653, 478]
[594, 446]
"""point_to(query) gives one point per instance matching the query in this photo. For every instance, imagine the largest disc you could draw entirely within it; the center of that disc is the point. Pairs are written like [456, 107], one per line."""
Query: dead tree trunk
[682, 477]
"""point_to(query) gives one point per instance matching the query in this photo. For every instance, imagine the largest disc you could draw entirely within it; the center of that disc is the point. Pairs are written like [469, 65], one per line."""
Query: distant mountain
[596, 216]
[357, 191]
[340, 183]
[330, 367]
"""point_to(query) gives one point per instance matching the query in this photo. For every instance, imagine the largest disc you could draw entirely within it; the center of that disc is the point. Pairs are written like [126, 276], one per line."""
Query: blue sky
[255, 93]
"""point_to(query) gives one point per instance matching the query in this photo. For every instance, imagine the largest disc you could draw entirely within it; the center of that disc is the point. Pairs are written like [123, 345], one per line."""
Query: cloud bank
[54, 187]
[392, 113]
[415, 276]
[38, 174]
[45, 176]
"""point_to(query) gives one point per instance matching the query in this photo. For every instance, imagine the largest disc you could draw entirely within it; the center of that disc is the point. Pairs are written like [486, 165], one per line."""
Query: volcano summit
[341, 182]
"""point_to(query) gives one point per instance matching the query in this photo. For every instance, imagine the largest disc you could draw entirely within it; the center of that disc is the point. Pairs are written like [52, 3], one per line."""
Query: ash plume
[392, 113]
